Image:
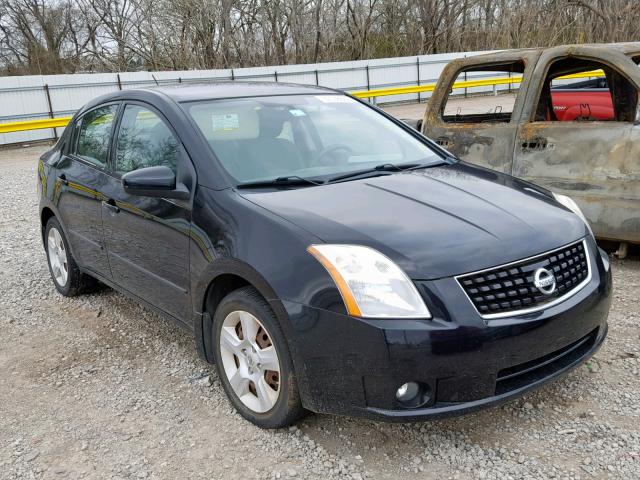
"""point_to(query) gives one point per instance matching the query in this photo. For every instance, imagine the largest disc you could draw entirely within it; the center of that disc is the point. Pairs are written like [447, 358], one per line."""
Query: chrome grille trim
[536, 308]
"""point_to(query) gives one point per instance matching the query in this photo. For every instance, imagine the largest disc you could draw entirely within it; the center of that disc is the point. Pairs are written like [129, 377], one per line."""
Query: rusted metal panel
[487, 144]
[595, 162]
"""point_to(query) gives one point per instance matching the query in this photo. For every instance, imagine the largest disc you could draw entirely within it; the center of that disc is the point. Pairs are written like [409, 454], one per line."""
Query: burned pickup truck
[567, 118]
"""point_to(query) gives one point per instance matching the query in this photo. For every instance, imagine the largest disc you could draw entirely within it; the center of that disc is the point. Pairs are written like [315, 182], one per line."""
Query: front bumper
[350, 366]
[507, 389]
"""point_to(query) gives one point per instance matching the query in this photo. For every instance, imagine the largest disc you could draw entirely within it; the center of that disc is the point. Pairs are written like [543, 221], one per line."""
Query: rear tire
[66, 276]
[251, 352]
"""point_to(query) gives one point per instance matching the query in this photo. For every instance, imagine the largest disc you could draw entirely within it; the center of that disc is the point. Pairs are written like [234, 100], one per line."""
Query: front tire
[66, 276]
[253, 361]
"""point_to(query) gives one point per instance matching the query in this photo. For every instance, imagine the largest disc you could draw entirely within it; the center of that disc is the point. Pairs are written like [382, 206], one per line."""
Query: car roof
[193, 92]
[234, 89]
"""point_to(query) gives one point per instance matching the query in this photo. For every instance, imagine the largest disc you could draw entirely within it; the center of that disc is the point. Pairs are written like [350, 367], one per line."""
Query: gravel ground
[99, 387]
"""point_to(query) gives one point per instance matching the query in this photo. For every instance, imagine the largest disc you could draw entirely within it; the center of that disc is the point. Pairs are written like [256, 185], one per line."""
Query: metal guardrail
[485, 82]
[429, 87]
[380, 92]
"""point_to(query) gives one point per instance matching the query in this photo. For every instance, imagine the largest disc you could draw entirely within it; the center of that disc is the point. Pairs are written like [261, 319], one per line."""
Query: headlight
[573, 206]
[371, 285]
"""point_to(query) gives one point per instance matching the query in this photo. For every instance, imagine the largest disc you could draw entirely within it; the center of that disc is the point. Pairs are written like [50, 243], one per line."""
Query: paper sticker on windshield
[334, 99]
[227, 122]
[297, 113]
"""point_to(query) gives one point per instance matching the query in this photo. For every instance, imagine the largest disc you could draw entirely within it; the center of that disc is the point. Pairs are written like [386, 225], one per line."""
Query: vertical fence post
[179, 79]
[465, 88]
[418, 76]
[275, 74]
[317, 79]
[371, 99]
[119, 81]
[368, 82]
[48, 94]
[233, 75]
[465, 79]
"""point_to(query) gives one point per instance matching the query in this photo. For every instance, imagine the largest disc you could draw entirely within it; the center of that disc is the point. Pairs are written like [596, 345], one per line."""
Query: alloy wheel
[57, 257]
[250, 361]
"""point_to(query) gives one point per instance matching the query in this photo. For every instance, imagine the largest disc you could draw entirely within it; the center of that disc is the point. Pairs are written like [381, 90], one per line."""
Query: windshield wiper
[294, 180]
[383, 167]
[290, 180]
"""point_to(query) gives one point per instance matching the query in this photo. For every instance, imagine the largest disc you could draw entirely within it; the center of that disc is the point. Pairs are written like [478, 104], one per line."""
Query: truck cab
[566, 118]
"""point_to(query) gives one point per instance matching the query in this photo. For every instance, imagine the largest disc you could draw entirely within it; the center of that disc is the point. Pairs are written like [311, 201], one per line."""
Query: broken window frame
[608, 68]
[478, 120]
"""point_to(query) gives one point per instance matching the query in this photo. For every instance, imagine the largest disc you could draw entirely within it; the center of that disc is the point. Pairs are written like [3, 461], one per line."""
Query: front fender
[228, 266]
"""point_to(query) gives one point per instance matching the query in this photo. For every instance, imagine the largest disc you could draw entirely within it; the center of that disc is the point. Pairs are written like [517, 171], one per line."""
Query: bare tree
[34, 36]
[51, 36]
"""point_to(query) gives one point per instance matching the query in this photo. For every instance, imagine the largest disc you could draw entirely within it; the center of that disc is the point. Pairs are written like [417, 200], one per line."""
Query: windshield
[308, 136]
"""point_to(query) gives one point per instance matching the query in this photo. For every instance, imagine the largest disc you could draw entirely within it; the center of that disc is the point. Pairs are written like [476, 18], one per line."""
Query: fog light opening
[408, 392]
[413, 394]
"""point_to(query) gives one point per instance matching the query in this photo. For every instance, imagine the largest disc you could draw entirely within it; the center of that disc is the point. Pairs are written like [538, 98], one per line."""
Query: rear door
[82, 177]
[148, 238]
[592, 158]
[478, 121]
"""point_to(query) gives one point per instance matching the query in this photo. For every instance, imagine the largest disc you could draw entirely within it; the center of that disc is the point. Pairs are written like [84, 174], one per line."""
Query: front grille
[510, 289]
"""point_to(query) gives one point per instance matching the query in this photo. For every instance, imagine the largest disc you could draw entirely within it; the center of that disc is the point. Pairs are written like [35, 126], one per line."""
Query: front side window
[95, 133]
[310, 136]
[144, 140]
[482, 103]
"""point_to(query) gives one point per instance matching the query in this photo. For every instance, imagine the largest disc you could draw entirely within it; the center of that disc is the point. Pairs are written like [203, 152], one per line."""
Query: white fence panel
[37, 96]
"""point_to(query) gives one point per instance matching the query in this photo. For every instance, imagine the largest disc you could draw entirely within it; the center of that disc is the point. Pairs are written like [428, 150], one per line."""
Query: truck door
[591, 157]
[472, 117]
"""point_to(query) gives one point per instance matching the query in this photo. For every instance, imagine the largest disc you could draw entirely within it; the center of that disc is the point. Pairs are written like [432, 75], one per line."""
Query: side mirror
[154, 182]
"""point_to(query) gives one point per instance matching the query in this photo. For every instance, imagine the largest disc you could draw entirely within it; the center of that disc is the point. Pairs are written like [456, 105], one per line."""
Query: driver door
[474, 126]
[148, 238]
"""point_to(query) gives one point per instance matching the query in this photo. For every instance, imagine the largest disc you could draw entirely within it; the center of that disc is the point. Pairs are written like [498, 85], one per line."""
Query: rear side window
[144, 140]
[94, 135]
[583, 90]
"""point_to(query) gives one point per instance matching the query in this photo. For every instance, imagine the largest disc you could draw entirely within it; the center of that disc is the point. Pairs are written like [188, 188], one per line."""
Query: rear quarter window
[94, 134]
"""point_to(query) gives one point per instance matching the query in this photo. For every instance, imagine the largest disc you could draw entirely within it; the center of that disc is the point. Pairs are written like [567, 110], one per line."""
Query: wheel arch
[225, 273]
[221, 286]
[45, 214]
[221, 277]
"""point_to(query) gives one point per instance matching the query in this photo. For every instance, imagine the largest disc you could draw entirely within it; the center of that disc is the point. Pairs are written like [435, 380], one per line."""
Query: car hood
[434, 222]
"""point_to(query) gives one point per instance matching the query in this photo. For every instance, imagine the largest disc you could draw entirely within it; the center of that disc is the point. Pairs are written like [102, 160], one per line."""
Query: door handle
[63, 179]
[534, 144]
[111, 206]
[444, 142]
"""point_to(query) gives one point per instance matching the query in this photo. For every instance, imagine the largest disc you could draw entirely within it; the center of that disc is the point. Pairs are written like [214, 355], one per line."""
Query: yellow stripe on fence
[34, 124]
[379, 92]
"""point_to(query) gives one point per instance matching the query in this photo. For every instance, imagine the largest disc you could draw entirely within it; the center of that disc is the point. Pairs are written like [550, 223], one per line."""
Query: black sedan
[325, 256]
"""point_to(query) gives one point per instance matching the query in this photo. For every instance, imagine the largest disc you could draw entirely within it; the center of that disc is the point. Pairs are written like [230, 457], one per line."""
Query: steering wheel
[321, 157]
